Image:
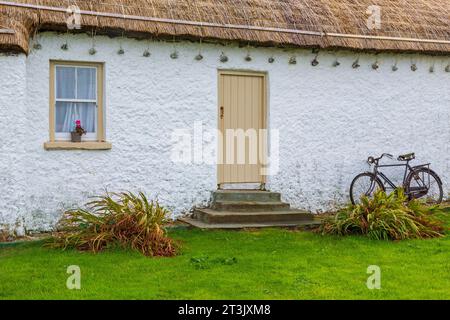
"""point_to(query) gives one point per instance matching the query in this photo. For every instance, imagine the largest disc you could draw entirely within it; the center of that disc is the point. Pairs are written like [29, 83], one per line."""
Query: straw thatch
[418, 19]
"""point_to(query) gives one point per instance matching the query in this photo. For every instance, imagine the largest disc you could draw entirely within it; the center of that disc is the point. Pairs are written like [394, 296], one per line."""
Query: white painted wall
[13, 122]
[330, 120]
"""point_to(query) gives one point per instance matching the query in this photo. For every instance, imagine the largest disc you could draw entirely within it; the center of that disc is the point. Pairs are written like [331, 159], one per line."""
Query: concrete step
[252, 206]
[200, 224]
[246, 195]
[263, 217]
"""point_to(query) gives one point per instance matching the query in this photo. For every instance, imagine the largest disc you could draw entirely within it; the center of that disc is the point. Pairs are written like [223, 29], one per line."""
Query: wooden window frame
[99, 142]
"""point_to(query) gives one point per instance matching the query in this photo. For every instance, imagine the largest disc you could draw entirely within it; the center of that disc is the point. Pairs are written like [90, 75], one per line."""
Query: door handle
[222, 111]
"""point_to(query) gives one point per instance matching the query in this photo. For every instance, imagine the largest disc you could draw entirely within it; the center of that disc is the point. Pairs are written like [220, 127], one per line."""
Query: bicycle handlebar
[372, 160]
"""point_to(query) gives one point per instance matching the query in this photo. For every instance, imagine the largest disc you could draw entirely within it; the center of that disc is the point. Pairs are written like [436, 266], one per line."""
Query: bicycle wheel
[424, 183]
[364, 184]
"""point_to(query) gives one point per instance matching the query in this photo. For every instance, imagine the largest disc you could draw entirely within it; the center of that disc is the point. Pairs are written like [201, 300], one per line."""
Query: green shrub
[4, 236]
[386, 217]
[116, 219]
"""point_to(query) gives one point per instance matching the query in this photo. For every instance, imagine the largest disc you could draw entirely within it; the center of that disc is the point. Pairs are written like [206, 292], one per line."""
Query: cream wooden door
[242, 116]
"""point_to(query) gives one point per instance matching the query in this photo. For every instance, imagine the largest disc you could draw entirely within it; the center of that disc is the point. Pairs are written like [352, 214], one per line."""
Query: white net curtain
[76, 98]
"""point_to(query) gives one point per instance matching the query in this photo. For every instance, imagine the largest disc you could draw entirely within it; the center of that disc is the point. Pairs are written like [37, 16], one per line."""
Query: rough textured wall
[13, 139]
[330, 120]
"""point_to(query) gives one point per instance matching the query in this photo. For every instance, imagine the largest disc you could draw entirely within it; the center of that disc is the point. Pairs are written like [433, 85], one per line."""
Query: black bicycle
[418, 181]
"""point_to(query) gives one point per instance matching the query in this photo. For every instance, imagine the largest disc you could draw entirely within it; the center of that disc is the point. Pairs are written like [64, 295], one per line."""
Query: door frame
[264, 114]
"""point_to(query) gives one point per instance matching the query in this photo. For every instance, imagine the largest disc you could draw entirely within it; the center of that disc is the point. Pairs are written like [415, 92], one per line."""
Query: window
[76, 93]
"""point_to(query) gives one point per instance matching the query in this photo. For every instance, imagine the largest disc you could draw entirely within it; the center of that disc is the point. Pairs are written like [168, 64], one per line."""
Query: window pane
[65, 83]
[86, 83]
[68, 112]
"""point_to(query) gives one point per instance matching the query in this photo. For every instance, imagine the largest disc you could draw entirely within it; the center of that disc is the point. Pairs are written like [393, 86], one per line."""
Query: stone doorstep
[246, 206]
[246, 195]
[236, 209]
[202, 225]
[214, 216]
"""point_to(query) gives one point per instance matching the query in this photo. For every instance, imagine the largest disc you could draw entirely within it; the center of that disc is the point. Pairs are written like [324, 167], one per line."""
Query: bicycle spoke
[424, 185]
[363, 186]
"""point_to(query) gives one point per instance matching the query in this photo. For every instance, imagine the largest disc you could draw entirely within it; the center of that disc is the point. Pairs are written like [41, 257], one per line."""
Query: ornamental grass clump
[386, 217]
[122, 219]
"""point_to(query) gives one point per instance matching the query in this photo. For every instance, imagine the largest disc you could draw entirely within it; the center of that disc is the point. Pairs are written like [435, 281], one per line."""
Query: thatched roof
[406, 25]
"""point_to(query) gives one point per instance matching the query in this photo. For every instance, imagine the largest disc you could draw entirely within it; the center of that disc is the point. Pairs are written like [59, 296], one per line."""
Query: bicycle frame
[385, 179]
[408, 170]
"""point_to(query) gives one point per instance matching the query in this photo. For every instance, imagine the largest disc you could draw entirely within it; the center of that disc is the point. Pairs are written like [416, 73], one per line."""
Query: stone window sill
[85, 145]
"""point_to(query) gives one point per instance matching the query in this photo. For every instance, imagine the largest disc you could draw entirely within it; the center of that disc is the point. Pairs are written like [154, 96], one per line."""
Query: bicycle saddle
[407, 157]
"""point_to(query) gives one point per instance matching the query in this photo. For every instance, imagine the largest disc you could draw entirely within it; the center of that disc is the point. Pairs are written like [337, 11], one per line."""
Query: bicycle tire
[359, 176]
[412, 174]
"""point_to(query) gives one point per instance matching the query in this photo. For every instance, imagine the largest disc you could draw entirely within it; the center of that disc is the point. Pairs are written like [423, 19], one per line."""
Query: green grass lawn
[263, 264]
